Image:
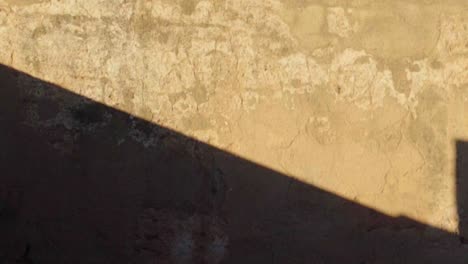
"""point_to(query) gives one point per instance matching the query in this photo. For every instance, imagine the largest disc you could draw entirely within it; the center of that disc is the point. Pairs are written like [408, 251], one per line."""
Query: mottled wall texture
[233, 131]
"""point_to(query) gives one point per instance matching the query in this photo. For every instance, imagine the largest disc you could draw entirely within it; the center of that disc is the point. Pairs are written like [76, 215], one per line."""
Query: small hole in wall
[338, 89]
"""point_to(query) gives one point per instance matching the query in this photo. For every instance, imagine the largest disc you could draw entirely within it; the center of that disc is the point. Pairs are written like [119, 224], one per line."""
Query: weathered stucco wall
[361, 98]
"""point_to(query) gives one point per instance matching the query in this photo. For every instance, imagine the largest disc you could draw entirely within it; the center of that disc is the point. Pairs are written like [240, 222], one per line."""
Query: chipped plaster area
[360, 98]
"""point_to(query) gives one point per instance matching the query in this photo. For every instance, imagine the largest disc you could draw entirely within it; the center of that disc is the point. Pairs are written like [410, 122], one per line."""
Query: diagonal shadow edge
[85, 183]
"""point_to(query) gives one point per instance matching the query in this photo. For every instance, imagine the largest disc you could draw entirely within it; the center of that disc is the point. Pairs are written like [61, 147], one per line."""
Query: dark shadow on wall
[81, 182]
[462, 189]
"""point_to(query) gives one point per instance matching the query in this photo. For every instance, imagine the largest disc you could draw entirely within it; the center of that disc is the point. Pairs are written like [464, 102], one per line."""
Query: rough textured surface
[364, 99]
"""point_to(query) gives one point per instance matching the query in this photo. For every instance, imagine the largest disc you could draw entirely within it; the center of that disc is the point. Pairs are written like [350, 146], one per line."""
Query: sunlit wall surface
[364, 99]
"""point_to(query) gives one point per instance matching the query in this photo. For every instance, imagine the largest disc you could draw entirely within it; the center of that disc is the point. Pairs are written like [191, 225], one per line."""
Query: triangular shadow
[85, 183]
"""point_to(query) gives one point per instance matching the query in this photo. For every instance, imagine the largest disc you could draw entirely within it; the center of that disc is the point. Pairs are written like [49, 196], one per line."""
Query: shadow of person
[82, 182]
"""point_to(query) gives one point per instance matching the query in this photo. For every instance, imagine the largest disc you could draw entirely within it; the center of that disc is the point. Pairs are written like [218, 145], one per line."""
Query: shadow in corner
[84, 183]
